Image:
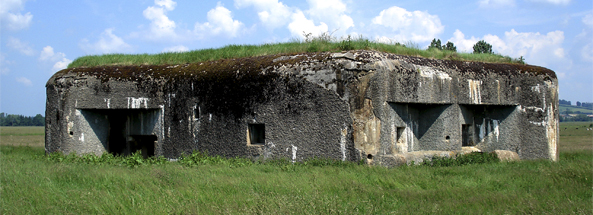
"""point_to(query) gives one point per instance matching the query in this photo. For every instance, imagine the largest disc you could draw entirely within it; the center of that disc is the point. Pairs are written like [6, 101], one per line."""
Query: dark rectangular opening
[143, 143]
[467, 135]
[117, 137]
[400, 132]
[401, 140]
[124, 131]
[257, 134]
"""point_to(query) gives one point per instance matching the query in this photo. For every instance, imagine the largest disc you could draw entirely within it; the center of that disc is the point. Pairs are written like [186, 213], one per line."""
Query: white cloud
[3, 62]
[62, 64]
[271, 13]
[108, 43]
[24, 81]
[511, 3]
[301, 24]
[319, 18]
[332, 12]
[496, 3]
[11, 17]
[161, 26]
[536, 48]
[22, 47]
[220, 22]
[416, 26]
[167, 4]
[588, 20]
[462, 44]
[179, 48]
[58, 59]
[555, 2]
[48, 54]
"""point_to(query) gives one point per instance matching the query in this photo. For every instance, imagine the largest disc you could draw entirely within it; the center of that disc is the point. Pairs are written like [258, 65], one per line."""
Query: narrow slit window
[400, 132]
[257, 134]
[466, 135]
[196, 113]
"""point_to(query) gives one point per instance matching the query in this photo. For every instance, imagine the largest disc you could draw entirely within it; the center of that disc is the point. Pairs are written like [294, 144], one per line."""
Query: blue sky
[38, 38]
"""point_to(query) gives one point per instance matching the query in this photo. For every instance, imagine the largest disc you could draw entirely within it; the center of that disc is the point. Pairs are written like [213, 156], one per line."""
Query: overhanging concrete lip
[268, 62]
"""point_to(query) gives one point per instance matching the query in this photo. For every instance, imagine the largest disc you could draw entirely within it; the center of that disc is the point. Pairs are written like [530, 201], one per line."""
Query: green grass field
[30, 183]
[572, 108]
[324, 44]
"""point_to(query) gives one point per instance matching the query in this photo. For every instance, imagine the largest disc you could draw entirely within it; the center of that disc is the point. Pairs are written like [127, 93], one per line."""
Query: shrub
[435, 44]
[450, 46]
[346, 44]
[482, 47]
[470, 158]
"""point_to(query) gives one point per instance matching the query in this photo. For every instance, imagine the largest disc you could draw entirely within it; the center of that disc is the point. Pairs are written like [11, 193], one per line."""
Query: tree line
[587, 105]
[577, 118]
[20, 120]
[481, 47]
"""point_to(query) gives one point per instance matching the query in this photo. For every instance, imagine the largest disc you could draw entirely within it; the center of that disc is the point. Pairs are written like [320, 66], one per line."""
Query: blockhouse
[385, 108]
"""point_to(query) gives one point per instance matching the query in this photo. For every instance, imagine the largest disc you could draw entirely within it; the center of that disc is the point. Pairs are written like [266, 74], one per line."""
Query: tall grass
[33, 183]
[323, 43]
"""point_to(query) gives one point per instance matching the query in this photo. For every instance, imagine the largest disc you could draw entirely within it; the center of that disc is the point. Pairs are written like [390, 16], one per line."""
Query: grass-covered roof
[314, 45]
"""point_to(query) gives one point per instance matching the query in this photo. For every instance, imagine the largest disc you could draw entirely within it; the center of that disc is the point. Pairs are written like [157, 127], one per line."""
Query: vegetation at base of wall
[193, 159]
[322, 43]
[464, 159]
[33, 185]
[198, 158]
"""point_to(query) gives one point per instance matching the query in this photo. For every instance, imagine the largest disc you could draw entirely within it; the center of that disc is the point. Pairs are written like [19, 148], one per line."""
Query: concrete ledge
[420, 156]
[504, 155]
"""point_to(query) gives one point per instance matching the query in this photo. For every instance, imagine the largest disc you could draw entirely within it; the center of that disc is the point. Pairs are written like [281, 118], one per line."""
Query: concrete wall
[346, 106]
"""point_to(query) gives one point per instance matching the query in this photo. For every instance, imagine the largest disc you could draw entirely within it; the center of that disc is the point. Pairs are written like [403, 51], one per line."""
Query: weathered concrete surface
[381, 107]
[505, 155]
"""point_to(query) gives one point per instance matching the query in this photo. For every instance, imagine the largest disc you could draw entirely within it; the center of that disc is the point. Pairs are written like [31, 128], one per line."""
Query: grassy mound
[320, 44]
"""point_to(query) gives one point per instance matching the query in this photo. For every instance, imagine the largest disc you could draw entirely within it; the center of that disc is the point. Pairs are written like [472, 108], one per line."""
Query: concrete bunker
[357, 105]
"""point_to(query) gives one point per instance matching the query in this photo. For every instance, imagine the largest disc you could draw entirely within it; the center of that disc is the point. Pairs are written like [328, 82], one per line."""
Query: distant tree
[578, 104]
[587, 105]
[450, 46]
[564, 102]
[581, 118]
[38, 120]
[482, 47]
[436, 43]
